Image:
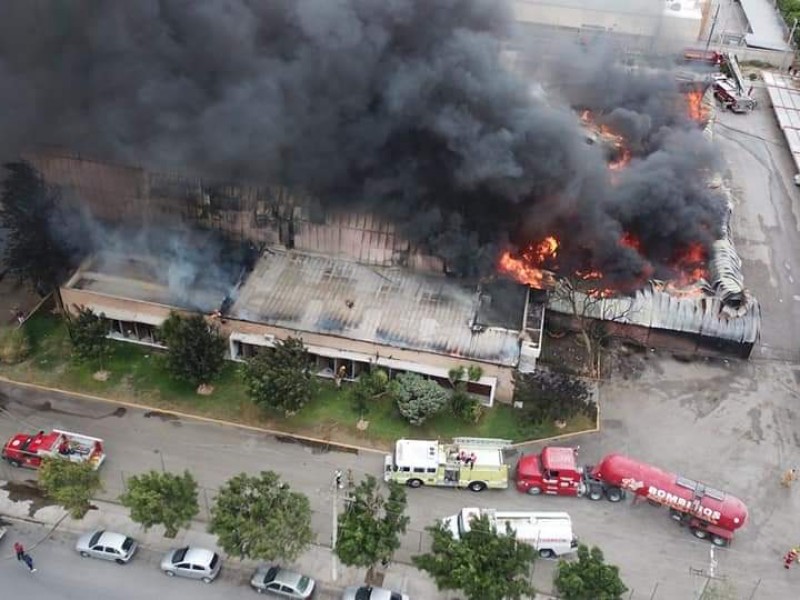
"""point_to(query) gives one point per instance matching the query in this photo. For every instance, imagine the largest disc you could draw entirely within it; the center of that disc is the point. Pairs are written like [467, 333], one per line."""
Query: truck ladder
[485, 443]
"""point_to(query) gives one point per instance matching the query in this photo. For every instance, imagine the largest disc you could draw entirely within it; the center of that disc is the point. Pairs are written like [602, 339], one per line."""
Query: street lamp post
[337, 485]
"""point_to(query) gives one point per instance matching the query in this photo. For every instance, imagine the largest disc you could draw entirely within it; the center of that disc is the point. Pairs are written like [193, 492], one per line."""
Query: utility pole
[337, 485]
[710, 575]
[713, 26]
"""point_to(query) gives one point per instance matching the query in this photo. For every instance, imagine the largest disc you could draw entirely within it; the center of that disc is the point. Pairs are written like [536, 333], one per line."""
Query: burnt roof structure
[384, 305]
[721, 314]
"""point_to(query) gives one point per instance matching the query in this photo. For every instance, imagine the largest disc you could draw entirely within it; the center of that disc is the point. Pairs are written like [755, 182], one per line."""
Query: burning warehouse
[341, 112]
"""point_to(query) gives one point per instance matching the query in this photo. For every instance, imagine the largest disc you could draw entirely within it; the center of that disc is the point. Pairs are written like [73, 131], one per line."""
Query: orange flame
[690, 265]
[528, 269]
[697, 110]
[609, 136]
[532, 267]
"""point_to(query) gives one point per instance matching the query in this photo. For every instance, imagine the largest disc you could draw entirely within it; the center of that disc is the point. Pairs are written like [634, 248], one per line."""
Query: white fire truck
[472, 463]
[550, 533]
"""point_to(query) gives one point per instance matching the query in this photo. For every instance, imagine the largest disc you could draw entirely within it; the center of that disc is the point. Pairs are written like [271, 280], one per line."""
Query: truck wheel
[546, 553]
[14, 463]
[675, 515]
[414, 483]
[700, 534]
[719, 541]
[476, 486]
[614, 494]
[595, 492]
[534, 491]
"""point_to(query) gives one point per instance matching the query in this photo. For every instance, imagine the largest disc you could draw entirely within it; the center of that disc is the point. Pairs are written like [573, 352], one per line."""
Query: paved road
[62, 575]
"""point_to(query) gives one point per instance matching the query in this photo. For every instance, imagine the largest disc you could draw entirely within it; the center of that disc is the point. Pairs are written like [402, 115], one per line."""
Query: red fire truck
[28, 450]
[709, 513]
[704, 56]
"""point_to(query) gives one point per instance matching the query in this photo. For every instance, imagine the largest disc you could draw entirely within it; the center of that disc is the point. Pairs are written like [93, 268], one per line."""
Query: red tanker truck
[709, 513]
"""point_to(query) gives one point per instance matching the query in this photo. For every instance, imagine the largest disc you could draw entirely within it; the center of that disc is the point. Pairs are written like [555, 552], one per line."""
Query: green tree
[588, 578]
[280, 377]
[418, 398]
[553, 396]
[461, 403]
[261, 518]
[370, 386]
[195, 349]
[71, 484]
[89, 335]
[483, 563]
[166, 499]
[370, 526]
[28, 209]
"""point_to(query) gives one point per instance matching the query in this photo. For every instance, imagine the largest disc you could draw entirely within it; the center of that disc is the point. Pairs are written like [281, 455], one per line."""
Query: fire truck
[709, 57]
[28, 450]
[708, 512]
[472, 463]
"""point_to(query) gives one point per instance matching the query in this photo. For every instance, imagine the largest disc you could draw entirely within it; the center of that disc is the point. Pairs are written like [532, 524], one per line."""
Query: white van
[550, 533]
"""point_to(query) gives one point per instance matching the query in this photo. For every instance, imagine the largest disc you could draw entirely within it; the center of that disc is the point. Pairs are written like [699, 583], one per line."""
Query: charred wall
[262, 215]
[676, 342]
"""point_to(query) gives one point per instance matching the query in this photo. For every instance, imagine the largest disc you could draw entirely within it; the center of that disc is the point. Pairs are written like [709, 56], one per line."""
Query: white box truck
[550, 533]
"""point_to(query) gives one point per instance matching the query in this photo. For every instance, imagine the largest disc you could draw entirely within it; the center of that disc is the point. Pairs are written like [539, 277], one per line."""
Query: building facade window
[134, 331]
[328, 367]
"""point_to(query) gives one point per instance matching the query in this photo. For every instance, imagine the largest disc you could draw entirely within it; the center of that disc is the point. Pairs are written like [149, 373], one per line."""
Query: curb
[288, 436]
[341, 447]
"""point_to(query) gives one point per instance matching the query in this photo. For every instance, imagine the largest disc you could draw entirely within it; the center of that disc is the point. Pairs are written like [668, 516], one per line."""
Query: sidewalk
[316, 562]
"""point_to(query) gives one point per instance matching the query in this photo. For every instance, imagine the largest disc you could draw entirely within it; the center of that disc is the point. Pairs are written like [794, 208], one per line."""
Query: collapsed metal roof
[721, 308]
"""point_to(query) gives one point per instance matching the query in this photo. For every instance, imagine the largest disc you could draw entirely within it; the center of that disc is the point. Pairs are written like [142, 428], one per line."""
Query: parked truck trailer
[708, 512]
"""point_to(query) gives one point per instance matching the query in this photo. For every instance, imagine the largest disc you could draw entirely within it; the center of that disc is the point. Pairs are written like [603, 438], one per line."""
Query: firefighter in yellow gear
[788, 477]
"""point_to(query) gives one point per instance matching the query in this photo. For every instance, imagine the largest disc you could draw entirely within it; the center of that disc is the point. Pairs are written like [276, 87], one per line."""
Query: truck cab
[555, 471]
[28, 450]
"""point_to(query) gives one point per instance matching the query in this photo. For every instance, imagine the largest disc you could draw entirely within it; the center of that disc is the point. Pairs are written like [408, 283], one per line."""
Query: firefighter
[789, 476]
[791, 556]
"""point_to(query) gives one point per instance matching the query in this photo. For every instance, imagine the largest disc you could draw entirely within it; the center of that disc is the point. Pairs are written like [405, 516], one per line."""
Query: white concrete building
[654, 23]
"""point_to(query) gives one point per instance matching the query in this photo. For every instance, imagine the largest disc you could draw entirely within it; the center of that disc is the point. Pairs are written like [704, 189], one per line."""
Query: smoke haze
[404, 106]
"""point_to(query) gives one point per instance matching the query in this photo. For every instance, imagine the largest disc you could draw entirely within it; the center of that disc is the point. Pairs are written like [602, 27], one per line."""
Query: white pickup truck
[550, 533]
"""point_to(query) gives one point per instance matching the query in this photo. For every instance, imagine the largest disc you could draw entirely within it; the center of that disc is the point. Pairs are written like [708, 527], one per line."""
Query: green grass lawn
[138, 374]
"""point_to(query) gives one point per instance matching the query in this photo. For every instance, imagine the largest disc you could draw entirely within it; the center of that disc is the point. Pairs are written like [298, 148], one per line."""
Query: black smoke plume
[405, 106]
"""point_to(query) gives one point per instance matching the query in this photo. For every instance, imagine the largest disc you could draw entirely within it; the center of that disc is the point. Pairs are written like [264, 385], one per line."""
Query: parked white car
[107, 545]
[192, 562]
[283, 583]
[366, 592]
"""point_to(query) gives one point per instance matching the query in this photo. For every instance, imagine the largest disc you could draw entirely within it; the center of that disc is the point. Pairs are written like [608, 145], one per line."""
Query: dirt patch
[27, 491]
[47, 406]
[563, 351]
[157, 414]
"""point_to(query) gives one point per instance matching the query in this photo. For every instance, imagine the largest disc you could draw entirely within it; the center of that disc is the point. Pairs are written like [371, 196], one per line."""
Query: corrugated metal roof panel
[390, 306]
[655, 308]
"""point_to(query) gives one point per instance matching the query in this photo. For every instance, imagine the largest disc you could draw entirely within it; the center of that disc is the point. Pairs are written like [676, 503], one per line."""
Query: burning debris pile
[683, 271]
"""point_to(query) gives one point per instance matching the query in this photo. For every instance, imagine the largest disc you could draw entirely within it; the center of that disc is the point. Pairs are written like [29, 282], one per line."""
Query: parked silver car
[192, 562]
[366, 592]
[107, 545]
[282, 583]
